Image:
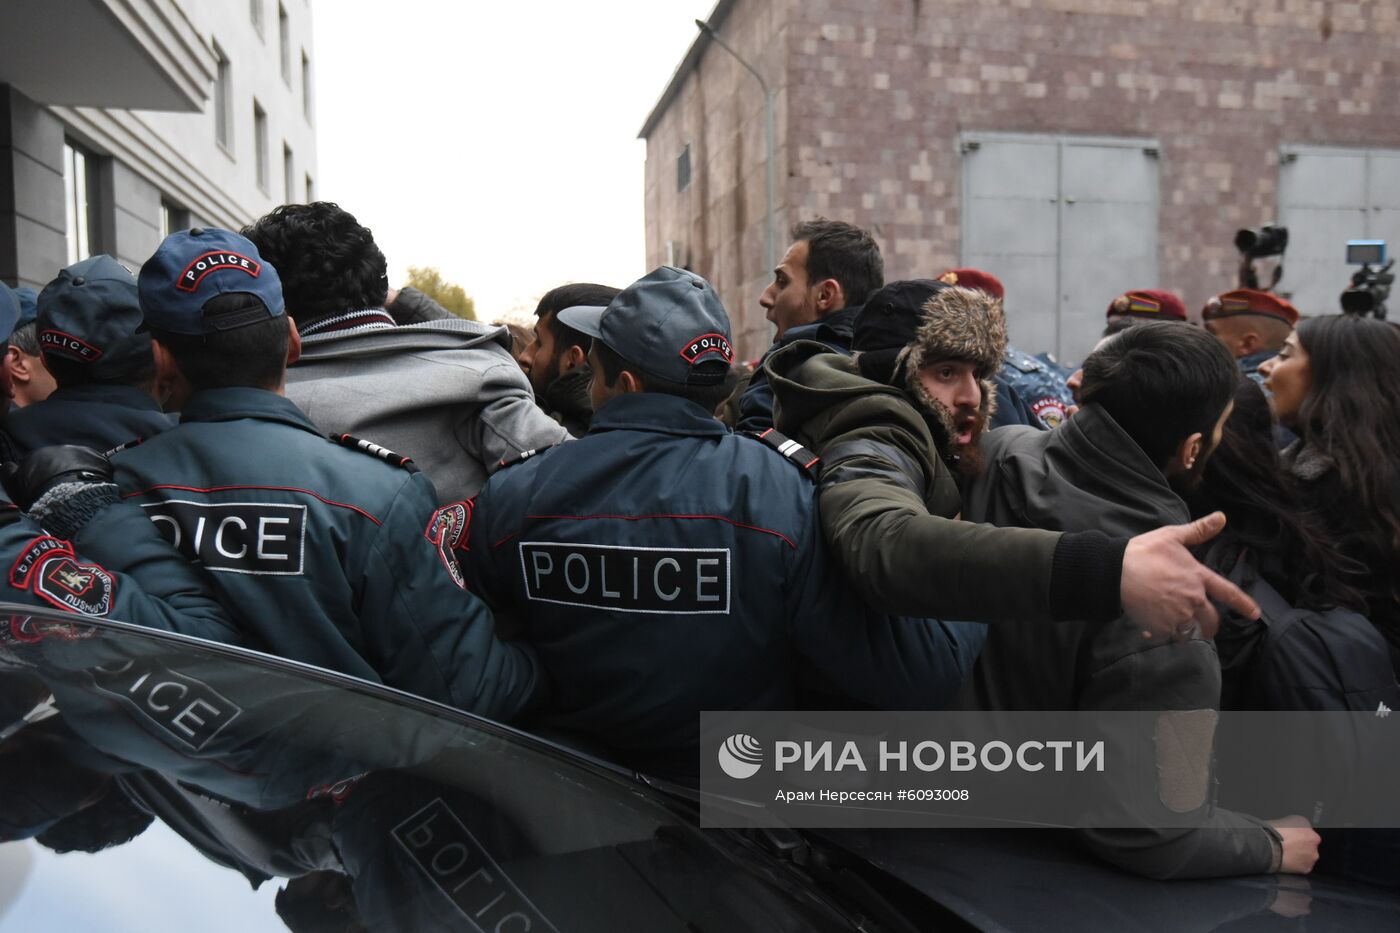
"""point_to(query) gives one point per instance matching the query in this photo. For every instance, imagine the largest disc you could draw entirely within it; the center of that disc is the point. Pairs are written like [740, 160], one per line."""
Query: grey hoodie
[446, 393]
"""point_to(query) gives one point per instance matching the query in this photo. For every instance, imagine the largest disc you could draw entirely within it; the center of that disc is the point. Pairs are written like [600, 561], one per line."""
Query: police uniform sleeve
[428, 634]
[508, 421]
[168, 593]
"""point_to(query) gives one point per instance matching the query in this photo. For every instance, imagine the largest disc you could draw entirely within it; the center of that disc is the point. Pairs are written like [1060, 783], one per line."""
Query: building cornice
[687, 65]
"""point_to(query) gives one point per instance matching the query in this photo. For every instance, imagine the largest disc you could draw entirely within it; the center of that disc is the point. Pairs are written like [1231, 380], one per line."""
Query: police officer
[1030, 390]
[87, 324]
[1252, 324]
[333, 556]
[663, 566]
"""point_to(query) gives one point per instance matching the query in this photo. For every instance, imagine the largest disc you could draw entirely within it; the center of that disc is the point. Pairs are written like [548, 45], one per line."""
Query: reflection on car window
[358, 807]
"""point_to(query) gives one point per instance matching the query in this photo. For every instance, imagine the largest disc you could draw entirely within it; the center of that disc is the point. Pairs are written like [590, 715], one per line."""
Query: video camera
[1268, 240]
[1369, 287]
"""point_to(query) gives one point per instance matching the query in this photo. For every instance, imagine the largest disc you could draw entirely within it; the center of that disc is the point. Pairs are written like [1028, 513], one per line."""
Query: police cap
[669, 324]
[193, 266]
[90, 314]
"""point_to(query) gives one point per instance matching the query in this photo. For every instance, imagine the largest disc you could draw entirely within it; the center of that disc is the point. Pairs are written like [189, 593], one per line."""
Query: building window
[683, 169]
[306, 85]
[78, 190]
[172, 218]
[255, 11]
[284, 39]
[260, 143]
[310, 190]
[223, 113]
[289, 177]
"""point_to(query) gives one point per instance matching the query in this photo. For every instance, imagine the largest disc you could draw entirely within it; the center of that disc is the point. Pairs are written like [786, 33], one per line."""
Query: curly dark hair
[328, 263]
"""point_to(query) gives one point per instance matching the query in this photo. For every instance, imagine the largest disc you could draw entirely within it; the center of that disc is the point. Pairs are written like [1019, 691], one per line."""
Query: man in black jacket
[1155, 399]
[817, 290]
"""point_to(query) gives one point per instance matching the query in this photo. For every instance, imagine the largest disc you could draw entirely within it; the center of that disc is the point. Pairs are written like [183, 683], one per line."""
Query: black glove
[48, 467]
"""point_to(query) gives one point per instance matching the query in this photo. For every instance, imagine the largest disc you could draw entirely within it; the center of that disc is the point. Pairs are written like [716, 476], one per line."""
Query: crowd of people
[604, 527]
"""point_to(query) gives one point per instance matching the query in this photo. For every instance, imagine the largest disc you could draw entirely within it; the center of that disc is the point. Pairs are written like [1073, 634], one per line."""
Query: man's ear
[293, 341]
[1250, 343]
[573, 358]
[1186, 454]
[16, 365]
[830, 295]
[628, 381]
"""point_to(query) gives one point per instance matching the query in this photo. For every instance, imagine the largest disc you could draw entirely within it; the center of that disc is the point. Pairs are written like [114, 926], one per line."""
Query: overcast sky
[496, 141]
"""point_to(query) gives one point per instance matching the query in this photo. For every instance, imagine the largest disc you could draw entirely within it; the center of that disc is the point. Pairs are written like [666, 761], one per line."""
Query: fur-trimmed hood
[956, 324]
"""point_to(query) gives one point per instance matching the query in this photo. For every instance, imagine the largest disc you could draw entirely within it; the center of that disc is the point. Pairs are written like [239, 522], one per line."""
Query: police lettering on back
[683, 581]
[236, 537]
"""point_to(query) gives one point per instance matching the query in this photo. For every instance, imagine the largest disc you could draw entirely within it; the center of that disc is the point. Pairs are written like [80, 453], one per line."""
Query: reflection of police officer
[663, 565]
[327, 555]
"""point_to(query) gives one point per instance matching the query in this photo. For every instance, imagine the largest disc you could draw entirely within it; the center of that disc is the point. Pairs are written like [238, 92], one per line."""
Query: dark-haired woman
[1336, 382]
[1273, 536]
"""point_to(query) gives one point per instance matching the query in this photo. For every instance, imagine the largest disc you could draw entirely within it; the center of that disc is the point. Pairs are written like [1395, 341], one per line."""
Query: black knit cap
[888, 323]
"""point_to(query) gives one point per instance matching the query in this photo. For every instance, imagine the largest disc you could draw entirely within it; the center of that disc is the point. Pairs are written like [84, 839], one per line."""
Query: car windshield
[198, 784]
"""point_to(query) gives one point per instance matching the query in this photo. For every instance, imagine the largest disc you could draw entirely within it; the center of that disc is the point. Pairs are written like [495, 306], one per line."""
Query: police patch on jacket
[188, 710]
[1050, 412]
[260, 538]
[669, 581]
[447, 529]
[34, 552]
[27, 630]
[67, 584]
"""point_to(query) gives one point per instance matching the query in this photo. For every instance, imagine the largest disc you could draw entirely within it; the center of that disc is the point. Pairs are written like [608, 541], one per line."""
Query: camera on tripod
[1369, 286]
[1268, 240]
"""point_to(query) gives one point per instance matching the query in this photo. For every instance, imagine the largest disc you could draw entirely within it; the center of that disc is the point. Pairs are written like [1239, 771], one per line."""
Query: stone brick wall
[877, 91]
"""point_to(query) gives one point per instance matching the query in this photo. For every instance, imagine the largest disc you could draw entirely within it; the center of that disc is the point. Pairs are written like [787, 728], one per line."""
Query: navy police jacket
[160, 590]
[325, 555]
[1041, 398]
[661, 566]
[96, 416]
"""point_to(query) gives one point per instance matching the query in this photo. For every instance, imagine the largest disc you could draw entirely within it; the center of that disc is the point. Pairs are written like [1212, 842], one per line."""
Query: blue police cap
[9, 310]
[90, 314]
[669, 324]
[28, 306]
[193, 266]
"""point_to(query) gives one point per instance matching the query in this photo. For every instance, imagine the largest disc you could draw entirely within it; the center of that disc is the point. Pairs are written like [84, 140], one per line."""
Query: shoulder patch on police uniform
[374, 450]
[447, 531]
[67, 584]
[33, 554]
[1050, 411]
[804, 458]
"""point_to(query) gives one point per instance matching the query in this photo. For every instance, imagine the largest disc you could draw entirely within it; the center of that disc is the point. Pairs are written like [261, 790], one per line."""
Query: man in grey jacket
[445, 393]
[1155, 399]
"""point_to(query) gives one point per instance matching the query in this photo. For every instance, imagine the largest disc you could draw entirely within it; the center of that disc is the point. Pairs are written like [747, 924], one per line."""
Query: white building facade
[122, 120]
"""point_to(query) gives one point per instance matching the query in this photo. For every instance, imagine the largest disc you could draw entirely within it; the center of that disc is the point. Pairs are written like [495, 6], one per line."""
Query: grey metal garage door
[1066, 223]
[1326, 197]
